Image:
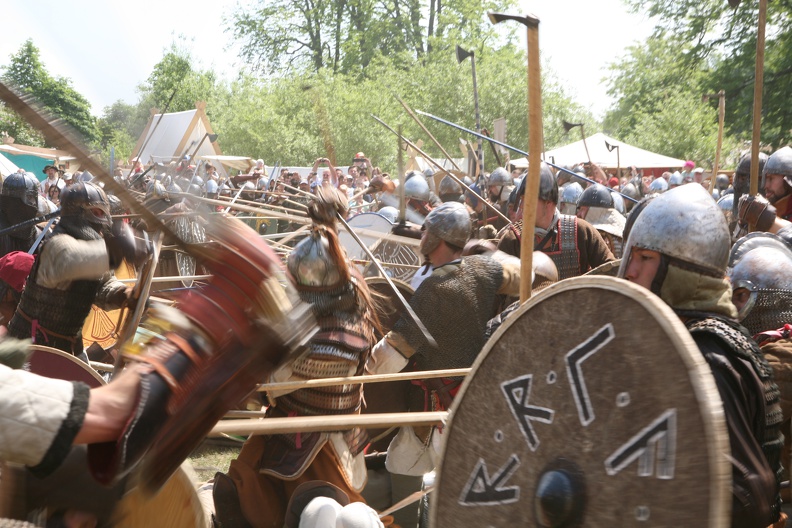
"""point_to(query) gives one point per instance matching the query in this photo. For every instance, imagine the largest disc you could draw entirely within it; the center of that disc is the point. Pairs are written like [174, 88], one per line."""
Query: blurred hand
[755, 213]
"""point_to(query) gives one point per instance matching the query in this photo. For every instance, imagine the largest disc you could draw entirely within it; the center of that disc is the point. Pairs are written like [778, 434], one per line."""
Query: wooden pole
[721, 118]
[426, 131]
[371, 378]
[531, 199]
[310, 424]
[757, 106]
[535, 148]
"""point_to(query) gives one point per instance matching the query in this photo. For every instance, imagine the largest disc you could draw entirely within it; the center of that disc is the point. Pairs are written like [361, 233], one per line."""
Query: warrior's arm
[391, 354]
[596, 249]
[511, 273]
[65, 259]
[112, 293]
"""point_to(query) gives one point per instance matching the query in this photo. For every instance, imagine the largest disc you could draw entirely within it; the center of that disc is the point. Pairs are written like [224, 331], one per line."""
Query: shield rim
[702, 380]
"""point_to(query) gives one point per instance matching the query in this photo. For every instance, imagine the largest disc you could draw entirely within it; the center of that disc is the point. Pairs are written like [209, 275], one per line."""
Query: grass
[214, 455]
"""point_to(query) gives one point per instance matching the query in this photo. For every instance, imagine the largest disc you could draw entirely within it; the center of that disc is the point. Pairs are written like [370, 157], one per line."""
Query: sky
[107, 47]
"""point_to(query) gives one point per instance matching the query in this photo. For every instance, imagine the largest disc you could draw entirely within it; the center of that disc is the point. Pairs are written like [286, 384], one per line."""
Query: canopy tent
[241, 163]
[178, 134]
[7, 166]
[625, 156]
[34, 159]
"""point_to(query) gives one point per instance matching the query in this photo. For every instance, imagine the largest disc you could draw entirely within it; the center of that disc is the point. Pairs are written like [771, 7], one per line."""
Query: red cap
[614, 182]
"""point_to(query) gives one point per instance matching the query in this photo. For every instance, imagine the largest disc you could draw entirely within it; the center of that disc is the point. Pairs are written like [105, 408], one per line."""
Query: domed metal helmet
[311, 264]
[390, 213]
[658, 186]
[85, 201]
[780, 162]
[766, 274]
[726, 203]
[155, 190]
[570, 193]
[450, 222]
[752, 241]
[116, 207]
[195, 189]
[596, 195]
[174, 188]
[428, 172]
[417, 188]
[618, 203]
[722, 182]
[676, 179]
[683, 224]
[500, 177]
[548, 188]
[24, 187]
[449, 186]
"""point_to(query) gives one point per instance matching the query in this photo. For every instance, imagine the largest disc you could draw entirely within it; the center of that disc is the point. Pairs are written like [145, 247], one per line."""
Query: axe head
[462, 54]
[569, 126]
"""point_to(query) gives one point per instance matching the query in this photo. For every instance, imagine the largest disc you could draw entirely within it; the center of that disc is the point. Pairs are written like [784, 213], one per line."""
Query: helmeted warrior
[658, 186]
[742, 177]
[568, 197]
[499, 188]
[777, 178]
[597, 207]
[73, 271]
[18, 203]
[762, 283]
[687, 272]
[449, 190]
[454, 304]
[574, 244]
[721, 185]
[269, 468]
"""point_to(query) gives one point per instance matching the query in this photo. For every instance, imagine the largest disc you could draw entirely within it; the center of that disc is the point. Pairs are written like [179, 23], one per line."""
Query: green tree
[716, 45]
[345, 36]
[28, 74]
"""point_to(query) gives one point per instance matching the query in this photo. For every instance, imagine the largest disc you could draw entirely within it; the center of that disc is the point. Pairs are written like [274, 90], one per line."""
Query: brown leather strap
[45, 331]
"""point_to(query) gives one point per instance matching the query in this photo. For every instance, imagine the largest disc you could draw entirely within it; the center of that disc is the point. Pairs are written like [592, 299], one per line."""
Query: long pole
[426, 131]
[535, 148]
[757, 106]
[433, 162]
[480, 148]
[514, 149]
[721, 118]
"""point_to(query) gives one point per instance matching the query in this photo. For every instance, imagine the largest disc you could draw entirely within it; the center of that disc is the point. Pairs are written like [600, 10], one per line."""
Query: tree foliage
[699, 47]
[28, 74]
[345, 36]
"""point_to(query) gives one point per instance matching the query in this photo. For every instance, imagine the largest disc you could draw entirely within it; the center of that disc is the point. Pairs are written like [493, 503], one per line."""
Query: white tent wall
[6, 166]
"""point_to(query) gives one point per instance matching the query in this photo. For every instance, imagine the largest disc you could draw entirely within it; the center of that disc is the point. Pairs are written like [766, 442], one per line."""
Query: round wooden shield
[175, 505]
[101, 327]
[53, 363]
[387, 251]
[390, 396]
[591, 406]
[611, 269]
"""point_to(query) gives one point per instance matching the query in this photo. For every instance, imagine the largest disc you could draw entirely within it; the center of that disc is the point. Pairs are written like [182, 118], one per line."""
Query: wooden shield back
[594, 387]
[390, 396]
[57, 364]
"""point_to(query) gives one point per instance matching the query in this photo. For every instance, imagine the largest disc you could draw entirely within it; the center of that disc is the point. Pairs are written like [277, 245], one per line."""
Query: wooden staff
[245, 208]
[534, 147]
[757, 106]
[439, 167]
[426, 130]
[310, 424]
[721, 117]
[372, 378]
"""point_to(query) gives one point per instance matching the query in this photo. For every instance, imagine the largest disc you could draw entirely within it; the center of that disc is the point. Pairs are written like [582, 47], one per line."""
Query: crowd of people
[718, 256]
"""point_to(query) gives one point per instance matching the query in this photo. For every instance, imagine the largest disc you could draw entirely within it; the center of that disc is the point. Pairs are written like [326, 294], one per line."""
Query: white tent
[176, 135]
[6, 166]
[624, 156]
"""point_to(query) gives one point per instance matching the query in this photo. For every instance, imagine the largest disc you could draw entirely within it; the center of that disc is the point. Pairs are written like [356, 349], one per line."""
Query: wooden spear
[535, 147]
[757, 106]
